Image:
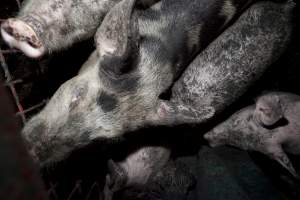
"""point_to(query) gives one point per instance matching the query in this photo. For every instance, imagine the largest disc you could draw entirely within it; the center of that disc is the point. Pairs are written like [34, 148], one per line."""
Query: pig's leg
[115, 179]
[277, 153]
[107, 192]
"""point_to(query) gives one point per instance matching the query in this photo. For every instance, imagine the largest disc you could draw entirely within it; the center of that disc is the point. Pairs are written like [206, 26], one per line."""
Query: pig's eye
[78, 95]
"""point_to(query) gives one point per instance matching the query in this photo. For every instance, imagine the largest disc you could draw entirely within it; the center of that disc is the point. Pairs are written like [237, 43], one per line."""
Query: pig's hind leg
[115, 179]
[277, 153]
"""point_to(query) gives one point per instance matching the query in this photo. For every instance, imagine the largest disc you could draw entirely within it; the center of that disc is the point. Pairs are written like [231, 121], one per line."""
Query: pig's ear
[268, 110]
[117, 37]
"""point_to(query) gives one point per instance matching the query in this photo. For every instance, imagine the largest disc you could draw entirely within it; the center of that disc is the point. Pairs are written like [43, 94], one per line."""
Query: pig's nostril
[18, 34]
[32, 42]
[9, 30]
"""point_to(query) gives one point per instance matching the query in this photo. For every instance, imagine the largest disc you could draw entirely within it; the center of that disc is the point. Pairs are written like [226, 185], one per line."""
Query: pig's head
[72, 119]
[268, 110]
[18, 34]
[267, 114]
[239, 123]
[44, 26]
[99, 102]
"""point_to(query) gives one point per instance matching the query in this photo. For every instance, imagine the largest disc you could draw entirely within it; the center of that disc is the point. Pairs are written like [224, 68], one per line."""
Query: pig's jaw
[13, 38]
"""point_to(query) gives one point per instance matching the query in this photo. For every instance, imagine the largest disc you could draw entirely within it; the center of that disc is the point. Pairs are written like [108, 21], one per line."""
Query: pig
[173, 181]
[271, 126]
[231, 64]
[135, 169]
[118, 89]
[139, 54]
[44, 26]
[193, 91]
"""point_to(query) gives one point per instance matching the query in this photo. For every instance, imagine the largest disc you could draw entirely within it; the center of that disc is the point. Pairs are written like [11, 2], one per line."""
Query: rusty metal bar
[10, 85]
[32, 107]
[14, 82]
[52, 191]
[95, 185]
[76, 188]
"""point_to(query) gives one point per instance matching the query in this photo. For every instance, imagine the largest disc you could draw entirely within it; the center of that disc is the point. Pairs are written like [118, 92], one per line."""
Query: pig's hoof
[17, 34]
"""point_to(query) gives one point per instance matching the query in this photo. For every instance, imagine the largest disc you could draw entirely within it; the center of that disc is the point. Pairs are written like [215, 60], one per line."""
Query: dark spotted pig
[49, 25]
[118, 88]
[135, 169]
[173, 181]
[139, 54]
[201, 87]
[272, 127]
[45, 26]
[230, 65]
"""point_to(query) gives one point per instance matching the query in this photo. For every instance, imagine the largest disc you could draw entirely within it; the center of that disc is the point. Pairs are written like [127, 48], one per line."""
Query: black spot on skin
[8, 30]
[130, 84]
[247, 31]
[54, 6]
[118, 66]
[144, 4]
[120, 84]
[75, 3]
[120, 73]
[231, 45]
[57, 5]
[107, 102]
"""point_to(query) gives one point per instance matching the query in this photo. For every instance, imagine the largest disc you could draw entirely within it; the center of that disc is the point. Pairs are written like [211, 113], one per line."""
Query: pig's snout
[17, 34]
[209, 137]
[215, 137]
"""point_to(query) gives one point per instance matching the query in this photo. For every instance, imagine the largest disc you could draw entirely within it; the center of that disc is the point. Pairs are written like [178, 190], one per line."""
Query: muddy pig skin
[135, 169]
[139, 54]
[231, 64]
[44, 26]
[165, 181]
[272, 127]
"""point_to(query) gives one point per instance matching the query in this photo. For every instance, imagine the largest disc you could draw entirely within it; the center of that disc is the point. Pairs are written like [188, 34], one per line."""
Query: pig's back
[173, 32]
